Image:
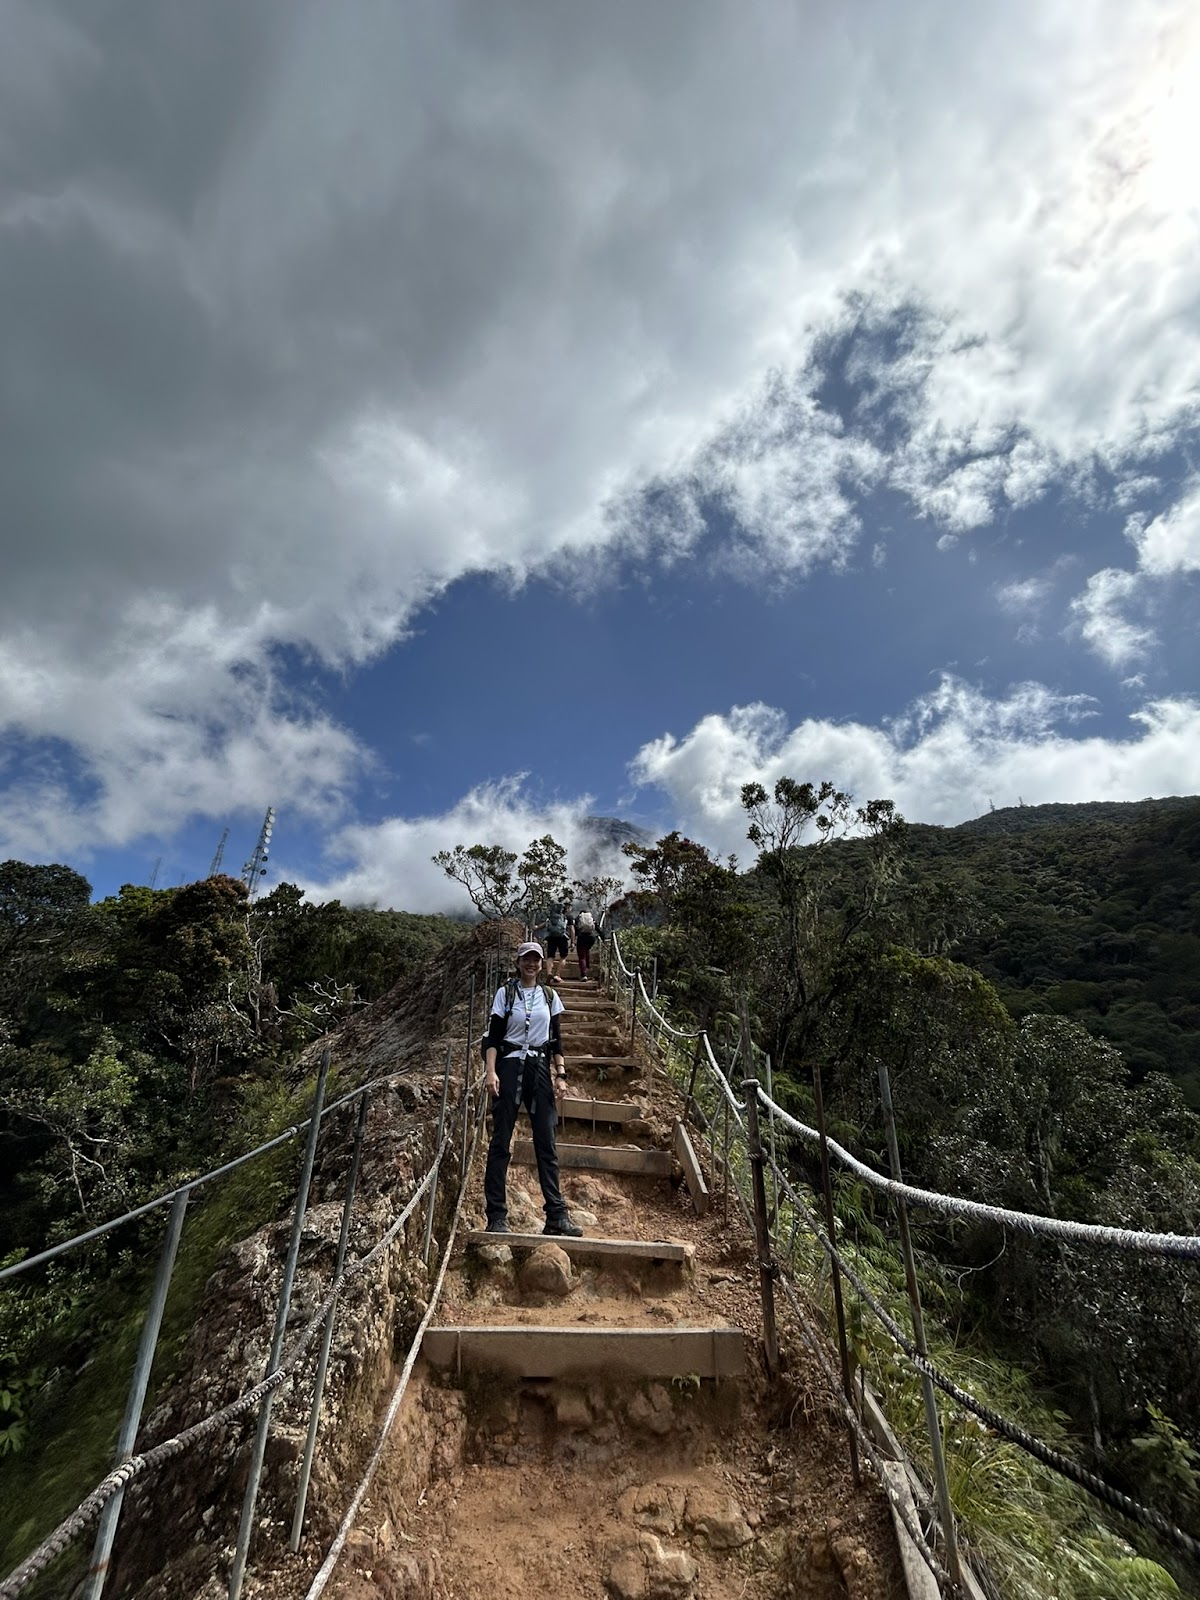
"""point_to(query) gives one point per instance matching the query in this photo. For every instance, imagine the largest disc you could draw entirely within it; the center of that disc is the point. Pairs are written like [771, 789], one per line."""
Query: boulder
[655, 1506]
[717, 1518]
[547, 1271]
[648, 1571]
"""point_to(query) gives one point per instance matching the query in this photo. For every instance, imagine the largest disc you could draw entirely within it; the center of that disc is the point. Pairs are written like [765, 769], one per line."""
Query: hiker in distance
[585, 937]
[557, 928]
[525, 1067]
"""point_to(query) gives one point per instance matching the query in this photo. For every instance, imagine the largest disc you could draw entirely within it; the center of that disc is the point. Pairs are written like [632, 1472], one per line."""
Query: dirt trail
[664, 1488]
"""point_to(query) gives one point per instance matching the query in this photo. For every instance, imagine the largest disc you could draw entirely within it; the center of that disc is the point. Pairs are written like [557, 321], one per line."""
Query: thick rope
[1182, 1245]
[1134, 1510]
[325, 1571]
[90, 1508]
[193, 1183]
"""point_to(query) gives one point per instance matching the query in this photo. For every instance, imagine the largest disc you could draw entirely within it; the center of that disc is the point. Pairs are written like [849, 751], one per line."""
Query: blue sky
[443, 422]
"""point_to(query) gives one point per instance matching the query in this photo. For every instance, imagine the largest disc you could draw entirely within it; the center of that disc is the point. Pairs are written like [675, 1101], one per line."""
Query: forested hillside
[143, 1039]
[1030, 979]
[1090, 912]
[1001, 974]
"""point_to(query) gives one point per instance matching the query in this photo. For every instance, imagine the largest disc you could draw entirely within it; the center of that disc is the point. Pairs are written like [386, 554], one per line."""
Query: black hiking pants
[523, 1083]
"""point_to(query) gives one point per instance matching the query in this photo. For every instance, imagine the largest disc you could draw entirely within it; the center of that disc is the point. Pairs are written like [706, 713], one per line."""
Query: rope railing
[1177, 1246]
[1186, 1246]
[104, 1500]
[325, 1571]
[1144, 1515]
[91, 1506]
[190, 1187]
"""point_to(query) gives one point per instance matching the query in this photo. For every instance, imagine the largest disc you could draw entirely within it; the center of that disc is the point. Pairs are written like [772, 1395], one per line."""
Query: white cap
[529, 950]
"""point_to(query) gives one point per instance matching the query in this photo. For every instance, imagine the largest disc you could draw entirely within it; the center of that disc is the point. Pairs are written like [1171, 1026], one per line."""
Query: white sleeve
[556, 1006]
[498, 1002]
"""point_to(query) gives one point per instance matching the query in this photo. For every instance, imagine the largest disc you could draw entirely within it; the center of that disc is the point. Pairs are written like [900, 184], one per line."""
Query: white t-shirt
[529, 1022]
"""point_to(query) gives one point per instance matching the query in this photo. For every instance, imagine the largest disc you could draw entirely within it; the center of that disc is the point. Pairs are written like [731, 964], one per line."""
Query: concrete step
[614, 1063]
[600, 1158]
[534, 1352]
[615, 1111]
[612, 1250]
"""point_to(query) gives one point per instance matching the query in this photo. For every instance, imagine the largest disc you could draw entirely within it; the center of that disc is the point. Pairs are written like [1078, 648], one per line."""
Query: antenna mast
[219, 857]
[257, 864]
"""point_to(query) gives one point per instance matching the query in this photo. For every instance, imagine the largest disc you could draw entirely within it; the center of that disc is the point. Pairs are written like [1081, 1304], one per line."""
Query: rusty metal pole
[437, 1157]
[246, 1526]
[766, 1265]
[725, 1160]
[932, 1422]
[97, 1573]
[314, 1415]
[466, 1091]
[831, 1225]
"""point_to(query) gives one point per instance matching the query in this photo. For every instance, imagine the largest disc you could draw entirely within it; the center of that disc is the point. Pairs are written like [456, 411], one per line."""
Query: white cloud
[951, 755]
[1023, 596]
[390, 863]
[1171, 542]
[1103, 613]
[947, 758]
[178, 724]
[277, 378]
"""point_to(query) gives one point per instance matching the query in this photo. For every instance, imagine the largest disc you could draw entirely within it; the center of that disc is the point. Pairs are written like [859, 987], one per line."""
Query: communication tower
[219, 857]
[257, 864]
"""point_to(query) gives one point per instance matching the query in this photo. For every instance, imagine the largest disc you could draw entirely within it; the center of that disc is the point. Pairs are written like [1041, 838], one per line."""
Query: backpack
[585, 922]
[510, 1000]
[556, 922]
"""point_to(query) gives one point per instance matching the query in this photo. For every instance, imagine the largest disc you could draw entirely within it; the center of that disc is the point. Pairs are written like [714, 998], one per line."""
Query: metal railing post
[466, 1120]
[633, 1009]
[314, 1415]
[835, 1270]
[246, 1526]
[437, 1158]
[97, 1574]
[725, 1159]
[766, 1266]
[771, 1136]
[932, 1421]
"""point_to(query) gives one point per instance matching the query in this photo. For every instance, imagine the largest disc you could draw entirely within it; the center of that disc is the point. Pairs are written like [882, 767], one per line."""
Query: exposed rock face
[176, 1532]
[653, 1410]
[718, 1518]
[657, 1507]
[648, 1571]
[547, 1271]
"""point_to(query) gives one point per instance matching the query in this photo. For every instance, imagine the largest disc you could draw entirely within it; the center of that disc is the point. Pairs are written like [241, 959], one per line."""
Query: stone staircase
[589, 1416]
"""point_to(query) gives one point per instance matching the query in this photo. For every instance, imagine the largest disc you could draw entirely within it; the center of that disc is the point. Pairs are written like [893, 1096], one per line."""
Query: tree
[597, 893]
[819, 911]
[501, 884]
[663, 870]
[543, 873]
[488, 873]
[44, 920]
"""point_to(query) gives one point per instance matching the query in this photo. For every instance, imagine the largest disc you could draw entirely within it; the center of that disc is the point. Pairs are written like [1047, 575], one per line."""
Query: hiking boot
[564, 1228]
[498, 1226]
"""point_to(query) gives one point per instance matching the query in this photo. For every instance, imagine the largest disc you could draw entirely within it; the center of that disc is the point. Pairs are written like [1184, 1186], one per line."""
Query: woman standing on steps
[524, 1037]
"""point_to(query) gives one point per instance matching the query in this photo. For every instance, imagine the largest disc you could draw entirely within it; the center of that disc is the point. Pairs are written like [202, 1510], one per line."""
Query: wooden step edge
[685, 1154]
[589, 1110]
[629, 1249]
[589, 1353]
[601, 1158]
